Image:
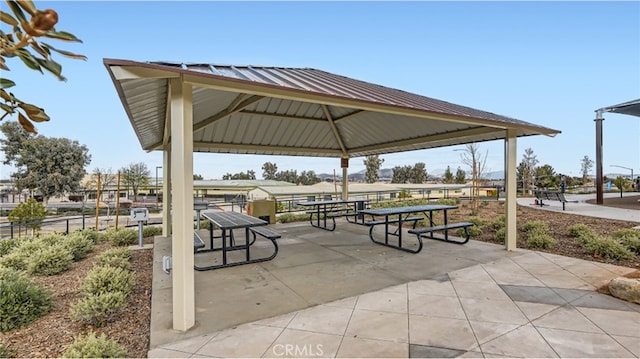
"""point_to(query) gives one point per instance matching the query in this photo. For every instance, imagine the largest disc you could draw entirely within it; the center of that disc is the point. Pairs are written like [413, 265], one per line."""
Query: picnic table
[331, 209]
[227, 222]
[399, 215]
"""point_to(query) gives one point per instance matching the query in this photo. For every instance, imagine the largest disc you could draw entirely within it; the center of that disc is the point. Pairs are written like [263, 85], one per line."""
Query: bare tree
[529, 163]
[474, 159]
[586, 164]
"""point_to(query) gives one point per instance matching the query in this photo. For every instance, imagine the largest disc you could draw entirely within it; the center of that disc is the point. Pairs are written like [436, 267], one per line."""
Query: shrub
[499, 222]
[97, 309]
[479, 222]
[579, 230]
[292, 217]
[51, 239]
[7, 245]
[536, 226]
[78, 245]
[14, 260]
[116, 257]
[474, 231]
[606, 247]
[122, 237]
[630, 238]
[94, 347]
[150, 231]
[5, 353]
[501, 234]
[50, 260]
[539, 239]
[108, 279]
[21, 300]
[92, 234]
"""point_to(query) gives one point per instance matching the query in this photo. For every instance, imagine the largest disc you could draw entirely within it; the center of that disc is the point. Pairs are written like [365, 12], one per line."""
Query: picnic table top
[329, 202]
[232, 220]
[407, 209]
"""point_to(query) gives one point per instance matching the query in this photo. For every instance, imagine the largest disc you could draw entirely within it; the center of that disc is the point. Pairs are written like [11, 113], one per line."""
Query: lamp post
[157, 203]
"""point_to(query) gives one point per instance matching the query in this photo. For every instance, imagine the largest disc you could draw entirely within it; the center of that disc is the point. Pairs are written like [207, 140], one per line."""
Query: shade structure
[631, 108]
[181, 108]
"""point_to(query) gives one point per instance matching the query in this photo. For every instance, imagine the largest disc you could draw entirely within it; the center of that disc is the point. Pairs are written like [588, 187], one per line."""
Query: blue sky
[549, 63]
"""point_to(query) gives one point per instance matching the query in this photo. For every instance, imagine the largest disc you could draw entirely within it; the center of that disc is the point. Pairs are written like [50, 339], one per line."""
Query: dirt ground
[50, 335]
[627, 202]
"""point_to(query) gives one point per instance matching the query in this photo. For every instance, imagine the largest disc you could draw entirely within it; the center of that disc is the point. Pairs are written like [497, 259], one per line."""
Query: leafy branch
[23, 42]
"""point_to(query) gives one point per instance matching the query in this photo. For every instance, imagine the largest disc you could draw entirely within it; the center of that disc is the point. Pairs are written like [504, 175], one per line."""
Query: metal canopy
[627, 108]
[297, 111]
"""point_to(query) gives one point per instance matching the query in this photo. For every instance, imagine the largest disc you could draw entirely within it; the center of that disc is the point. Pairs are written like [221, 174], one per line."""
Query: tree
[136, 176]
[461, 176]
[250, 175]
[308, 178]
[290, 176]
[621, 183]
[474, 159]
[529, 162]
[545, 177]
[53, 166]
[372, 164]
[401, 174]
[18, 43]
[418, 174]
[197, 177]
[448, 176]
[586, 164]
[107, 179]
[269, 171]
[29, 214]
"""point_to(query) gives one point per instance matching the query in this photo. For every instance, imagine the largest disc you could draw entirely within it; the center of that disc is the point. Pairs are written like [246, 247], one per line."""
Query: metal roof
[297, 111]
[631, 108]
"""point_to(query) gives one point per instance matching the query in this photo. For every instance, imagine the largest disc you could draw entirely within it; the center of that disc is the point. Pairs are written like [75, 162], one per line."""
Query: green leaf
[42, 50]
[28, 59]
[7, 18]
[28, 6]
[6, 108]
[17, 11]
[63, 52]
[6, 83]
[62, 35]
[52, 67]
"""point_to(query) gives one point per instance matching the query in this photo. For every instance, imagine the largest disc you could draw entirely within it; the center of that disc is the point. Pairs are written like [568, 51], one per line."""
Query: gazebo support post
[599, 174]
[510, 188]
[344, 163]
[182, 204]
[166, 193]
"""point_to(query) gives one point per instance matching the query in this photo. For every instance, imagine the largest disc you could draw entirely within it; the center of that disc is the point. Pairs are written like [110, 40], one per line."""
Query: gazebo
[631, 108]
[181, 108]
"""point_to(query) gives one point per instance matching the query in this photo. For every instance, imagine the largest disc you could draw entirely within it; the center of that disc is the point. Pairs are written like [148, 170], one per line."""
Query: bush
[536, 226]
[92, 234]
[539, 239]
[499, 222]
[21, 300]
[116, 257]
[108, 279]
[474, 231]
[50, 260]
[150, 231]
[5, 353]
[501, 234]
[606, 247]
[579, 230]
[98, 309]
[630, 238]
[479, 222]
[122, 237]
[94, 347]
[79, 245]
[7, 245]
[292, 217]
[51, 240]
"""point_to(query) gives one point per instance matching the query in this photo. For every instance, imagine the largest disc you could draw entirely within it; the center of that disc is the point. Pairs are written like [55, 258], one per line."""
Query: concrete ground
[337, 294]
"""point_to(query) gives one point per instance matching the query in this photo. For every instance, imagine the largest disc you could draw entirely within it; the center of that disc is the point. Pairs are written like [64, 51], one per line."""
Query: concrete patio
[336, 294]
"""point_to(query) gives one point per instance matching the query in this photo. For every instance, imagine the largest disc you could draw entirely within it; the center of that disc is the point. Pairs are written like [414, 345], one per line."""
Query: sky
[549, 63]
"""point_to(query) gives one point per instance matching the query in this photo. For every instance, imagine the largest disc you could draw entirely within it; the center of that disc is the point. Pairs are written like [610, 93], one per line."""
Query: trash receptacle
[264, 209]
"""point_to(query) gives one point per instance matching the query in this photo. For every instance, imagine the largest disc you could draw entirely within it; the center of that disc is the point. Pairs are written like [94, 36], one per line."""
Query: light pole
[626, 168]
[157, 203]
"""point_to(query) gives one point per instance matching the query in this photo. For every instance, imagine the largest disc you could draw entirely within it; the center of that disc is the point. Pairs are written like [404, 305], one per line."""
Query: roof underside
[297, 111]
[627, 108]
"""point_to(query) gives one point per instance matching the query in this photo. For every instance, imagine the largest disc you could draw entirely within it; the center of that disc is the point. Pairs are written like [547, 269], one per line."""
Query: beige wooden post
[344, 163]
[510, 188]
[182, 204]
[166, 193]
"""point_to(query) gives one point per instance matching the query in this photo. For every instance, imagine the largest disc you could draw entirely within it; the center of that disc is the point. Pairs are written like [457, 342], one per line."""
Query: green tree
[135, 176]
[250, 175]
[290, 176]
[197, 177]
[528, 168]
[621, 183]
[308, 178]
[269, 171]
[448, 176]
[29, 214]
[372, 164]
[401, 174]
[418, 174]
[461, 176]
[53, 166]
[546, 177]
[19, 43]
